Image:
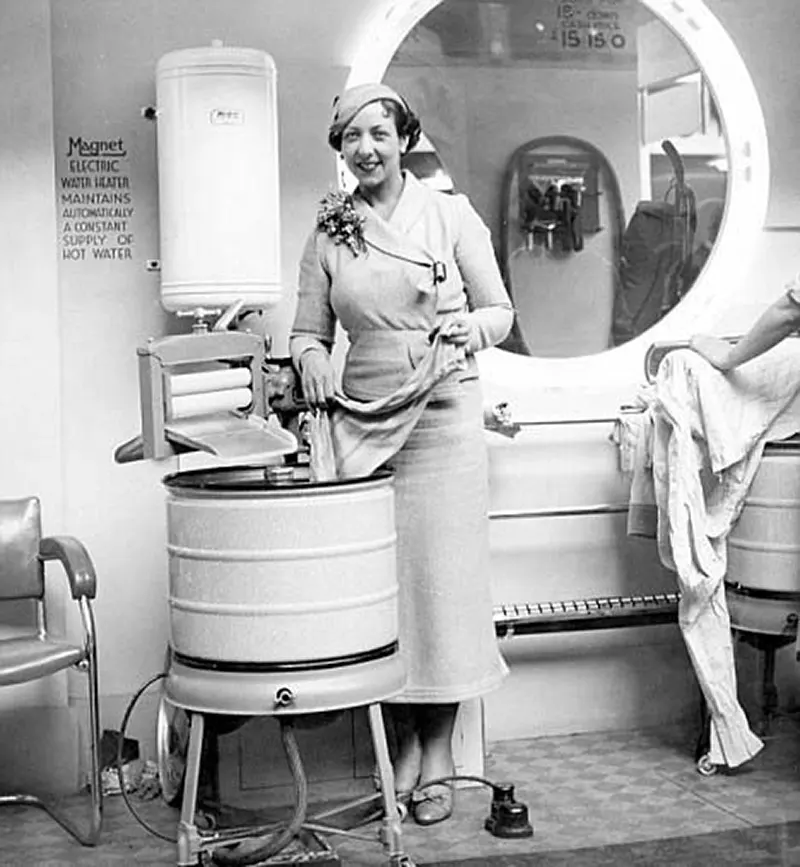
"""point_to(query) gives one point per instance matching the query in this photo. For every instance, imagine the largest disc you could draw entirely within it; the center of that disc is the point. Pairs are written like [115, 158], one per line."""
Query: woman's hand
[715, 350]
[457, 331]
[317, 378]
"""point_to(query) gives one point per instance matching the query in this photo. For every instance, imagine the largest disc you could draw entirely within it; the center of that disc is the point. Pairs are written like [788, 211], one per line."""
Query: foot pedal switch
[508, 817]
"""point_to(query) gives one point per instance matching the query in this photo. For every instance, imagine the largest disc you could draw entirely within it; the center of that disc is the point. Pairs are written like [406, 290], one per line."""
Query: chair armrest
[75, 559]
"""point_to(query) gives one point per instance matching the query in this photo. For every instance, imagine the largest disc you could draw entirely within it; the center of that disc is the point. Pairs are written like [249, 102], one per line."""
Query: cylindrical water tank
[219, 206]
[763, 577]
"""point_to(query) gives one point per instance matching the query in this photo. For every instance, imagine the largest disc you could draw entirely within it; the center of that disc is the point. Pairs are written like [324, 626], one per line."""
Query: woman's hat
[350, 103]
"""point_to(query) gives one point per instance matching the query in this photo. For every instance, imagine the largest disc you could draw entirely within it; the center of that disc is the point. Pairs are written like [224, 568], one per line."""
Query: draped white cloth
[701, 440]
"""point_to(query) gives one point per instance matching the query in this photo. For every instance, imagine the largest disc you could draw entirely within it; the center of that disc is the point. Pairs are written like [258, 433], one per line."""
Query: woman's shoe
[432, 804]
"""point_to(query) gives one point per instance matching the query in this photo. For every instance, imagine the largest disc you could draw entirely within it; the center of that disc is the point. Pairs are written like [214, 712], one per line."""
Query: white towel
[626, 435]
[633, 436]
[642, 510]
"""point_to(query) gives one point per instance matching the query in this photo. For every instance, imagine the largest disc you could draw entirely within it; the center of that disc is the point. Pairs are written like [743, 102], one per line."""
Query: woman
[411, 276]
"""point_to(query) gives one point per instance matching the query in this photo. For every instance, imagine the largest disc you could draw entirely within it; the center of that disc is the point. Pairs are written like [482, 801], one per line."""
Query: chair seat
[28, 658]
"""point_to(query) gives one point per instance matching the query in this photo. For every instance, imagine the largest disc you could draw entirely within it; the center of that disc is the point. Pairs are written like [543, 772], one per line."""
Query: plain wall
[765, 34]
[31, 428]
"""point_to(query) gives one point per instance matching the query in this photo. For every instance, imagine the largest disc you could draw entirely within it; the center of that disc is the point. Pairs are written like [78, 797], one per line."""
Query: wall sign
[592, 25]
[582, 33]
[587, 31]
[95, 201]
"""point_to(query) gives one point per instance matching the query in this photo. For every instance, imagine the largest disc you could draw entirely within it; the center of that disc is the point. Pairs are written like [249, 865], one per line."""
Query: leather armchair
[36, 653]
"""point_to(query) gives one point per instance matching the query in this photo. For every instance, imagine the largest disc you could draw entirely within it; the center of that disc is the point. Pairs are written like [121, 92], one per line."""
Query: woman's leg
[436, 725]
[434, 804]
[408, 758]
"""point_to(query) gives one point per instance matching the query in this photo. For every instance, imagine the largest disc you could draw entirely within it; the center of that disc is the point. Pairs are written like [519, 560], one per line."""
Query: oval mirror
[614, 147]
[551, 117]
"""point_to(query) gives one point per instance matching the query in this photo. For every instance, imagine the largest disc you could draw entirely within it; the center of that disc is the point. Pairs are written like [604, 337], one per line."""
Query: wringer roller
[205, 391]
[282, 591]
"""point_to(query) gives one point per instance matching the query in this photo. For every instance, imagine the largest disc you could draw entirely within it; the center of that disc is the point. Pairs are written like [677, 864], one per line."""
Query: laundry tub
[763, 577]
[282, 591]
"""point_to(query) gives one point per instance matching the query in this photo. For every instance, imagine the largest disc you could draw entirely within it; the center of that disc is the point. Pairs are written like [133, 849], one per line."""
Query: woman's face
[371, 146]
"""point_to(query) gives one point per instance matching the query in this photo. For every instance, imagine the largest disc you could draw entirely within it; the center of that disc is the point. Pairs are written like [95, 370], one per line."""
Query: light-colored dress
[389, 300]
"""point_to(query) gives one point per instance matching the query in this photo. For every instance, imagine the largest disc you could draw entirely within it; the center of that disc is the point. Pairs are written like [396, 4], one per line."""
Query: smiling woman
[410, 274]
[372, 140]
[469, 82]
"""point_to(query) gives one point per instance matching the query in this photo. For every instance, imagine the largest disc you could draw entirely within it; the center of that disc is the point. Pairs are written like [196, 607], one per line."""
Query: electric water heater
[218, 179]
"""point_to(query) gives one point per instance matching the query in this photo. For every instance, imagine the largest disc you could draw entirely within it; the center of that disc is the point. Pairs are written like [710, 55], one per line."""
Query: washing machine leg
[769, 691]
[188, 837]
[391, 833]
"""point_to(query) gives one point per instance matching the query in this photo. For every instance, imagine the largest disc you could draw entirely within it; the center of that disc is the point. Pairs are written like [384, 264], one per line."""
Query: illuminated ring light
[612, 373]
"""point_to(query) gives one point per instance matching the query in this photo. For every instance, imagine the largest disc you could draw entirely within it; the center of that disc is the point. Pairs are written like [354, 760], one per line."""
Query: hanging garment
[708, 435]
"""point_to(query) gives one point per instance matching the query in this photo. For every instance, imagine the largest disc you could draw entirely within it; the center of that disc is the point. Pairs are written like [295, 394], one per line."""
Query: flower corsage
[339, 220]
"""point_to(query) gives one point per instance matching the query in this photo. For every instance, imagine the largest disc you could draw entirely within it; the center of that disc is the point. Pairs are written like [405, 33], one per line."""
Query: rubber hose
[280, 839]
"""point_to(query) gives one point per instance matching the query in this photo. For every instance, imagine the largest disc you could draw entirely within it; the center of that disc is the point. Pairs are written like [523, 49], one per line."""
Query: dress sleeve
[490, 311]
[314, 320]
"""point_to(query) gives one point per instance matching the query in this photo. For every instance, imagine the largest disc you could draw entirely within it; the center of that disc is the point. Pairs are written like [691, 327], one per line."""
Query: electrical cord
[453, 778]
[122, 729]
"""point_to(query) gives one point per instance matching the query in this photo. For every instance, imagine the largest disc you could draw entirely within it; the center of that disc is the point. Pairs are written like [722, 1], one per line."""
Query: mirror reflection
[587, 137]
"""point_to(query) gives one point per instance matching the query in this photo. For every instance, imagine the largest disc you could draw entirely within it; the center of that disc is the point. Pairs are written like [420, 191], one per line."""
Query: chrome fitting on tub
[283, 697]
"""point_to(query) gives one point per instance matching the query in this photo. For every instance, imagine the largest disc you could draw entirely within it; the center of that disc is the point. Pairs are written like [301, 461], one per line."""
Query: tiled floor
[582, 791]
